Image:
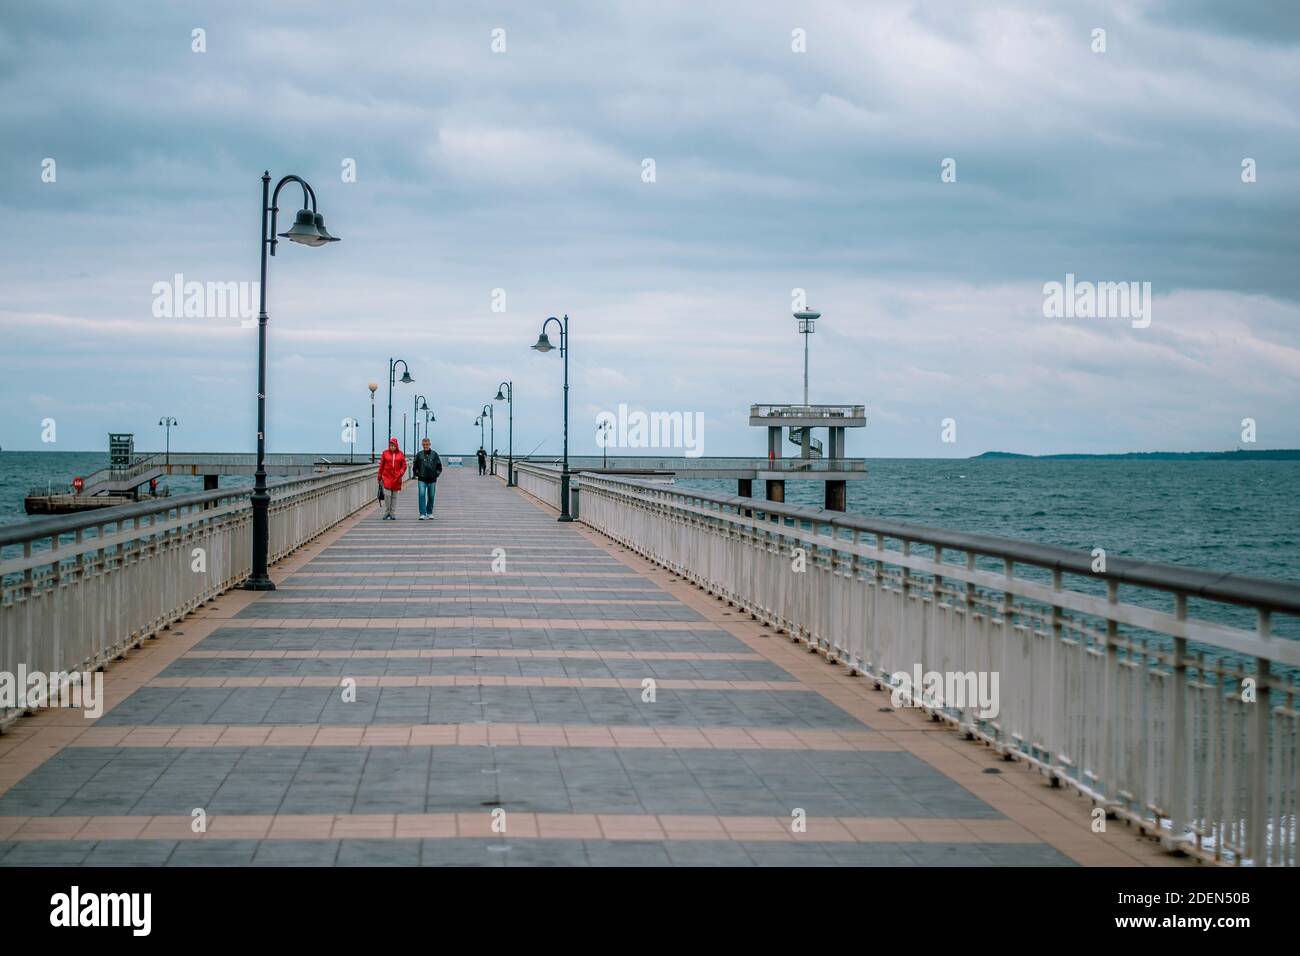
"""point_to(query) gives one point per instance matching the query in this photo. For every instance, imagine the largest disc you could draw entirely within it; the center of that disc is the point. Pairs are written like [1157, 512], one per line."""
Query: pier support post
[837, 495]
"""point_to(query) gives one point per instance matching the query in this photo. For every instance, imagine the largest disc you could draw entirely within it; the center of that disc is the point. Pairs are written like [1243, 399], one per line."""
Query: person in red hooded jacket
[392, 467]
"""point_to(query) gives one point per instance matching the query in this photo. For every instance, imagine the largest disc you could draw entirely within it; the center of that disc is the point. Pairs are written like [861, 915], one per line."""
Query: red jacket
[392, 467]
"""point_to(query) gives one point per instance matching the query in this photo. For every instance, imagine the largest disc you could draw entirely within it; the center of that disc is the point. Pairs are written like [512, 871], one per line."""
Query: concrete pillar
[773, 441]
[776, 489]
[745, 487]
[209, 482]
[835, 444]
[837, 495]
[805, 445]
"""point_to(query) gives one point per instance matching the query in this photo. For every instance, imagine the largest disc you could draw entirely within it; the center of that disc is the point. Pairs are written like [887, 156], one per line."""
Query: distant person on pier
[494, 461]
[482, 461]
[392, 468]
[426, 466]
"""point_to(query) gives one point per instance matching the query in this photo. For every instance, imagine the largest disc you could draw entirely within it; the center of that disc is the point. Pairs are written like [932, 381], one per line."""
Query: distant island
[1267, 454]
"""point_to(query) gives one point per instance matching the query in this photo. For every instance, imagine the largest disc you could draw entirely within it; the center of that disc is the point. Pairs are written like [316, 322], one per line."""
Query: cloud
[776, 170]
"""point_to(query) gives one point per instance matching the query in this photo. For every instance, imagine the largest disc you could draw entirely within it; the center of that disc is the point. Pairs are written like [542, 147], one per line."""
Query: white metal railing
[1176, 708]
[781, 410]
[77, 591]
[540, 481]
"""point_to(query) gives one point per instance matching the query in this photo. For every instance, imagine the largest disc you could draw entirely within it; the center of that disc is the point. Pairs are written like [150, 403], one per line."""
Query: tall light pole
[406, 380]
[374, 387]
[807, 326]
[308, 229]
[479, 422]
[604, 428]
[420, 405]
[353, 425]
[492, 438]
[429, 416]
[168, 422]
[544, 345]
[509, 399]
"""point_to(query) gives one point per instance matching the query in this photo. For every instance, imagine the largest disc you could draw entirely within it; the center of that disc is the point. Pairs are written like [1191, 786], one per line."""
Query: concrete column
[776, 489]
[805, 445]
[837, 495]
[773, 442]
[835, 443]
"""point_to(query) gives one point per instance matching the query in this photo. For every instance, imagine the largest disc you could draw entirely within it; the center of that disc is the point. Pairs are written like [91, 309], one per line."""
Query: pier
[657, 682]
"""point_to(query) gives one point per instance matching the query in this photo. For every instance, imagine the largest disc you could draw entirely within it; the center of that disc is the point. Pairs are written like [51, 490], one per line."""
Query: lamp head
[304, 230]
[406, 376]
[543, 343]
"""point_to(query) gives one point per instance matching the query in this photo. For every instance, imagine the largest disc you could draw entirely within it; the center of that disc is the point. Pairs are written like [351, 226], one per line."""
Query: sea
[1231, 516]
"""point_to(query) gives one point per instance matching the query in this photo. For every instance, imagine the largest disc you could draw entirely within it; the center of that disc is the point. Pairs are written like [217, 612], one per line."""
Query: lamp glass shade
[406, 377]
[304, 229]
[543, 343]
[320, 227]
[500, 397]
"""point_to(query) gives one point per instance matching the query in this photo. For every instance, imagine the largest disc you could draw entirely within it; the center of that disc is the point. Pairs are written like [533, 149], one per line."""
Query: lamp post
[168, 422]
[420, 405]
[479, 422]
[374, 387]
[807, 326]
[492, 437]
[604, 428]
[544, 345]
[429, 416]
[308, 229]
[509, 399]
[353, 425]
[392, 377]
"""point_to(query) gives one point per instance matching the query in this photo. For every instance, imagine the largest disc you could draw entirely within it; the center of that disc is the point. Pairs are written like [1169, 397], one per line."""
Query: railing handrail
[66, 524]
[1273, 594]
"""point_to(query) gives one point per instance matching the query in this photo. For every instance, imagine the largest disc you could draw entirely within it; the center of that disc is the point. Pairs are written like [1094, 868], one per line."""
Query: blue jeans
[425, 490]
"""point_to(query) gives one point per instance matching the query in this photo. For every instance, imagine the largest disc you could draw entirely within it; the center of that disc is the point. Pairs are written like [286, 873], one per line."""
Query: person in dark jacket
[426, 466]
[482, 461]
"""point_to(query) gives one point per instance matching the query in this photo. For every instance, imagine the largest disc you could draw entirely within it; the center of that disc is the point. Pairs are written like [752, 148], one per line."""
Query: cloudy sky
[794, 146]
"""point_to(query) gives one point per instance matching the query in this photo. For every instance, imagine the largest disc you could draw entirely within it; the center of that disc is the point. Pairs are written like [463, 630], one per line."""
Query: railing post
[1257, 752]
[1179, 797]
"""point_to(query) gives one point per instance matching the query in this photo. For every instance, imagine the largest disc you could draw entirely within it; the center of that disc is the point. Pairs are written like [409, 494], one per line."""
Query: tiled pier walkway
[512, 697]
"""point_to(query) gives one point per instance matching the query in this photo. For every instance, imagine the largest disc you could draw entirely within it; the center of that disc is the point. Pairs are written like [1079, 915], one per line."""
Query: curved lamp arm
[308, 196]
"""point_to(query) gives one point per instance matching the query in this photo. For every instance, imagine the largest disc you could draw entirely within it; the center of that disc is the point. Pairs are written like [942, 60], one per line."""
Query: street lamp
[807, 326]
[353, 425]
[168, 422]
[374, 387]
[604, 428]
[420, 405]
[479, 422]
[544, 345]
[492, 436]
[392, 380]
[509, 399]
[308, 229]
[429, 416]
